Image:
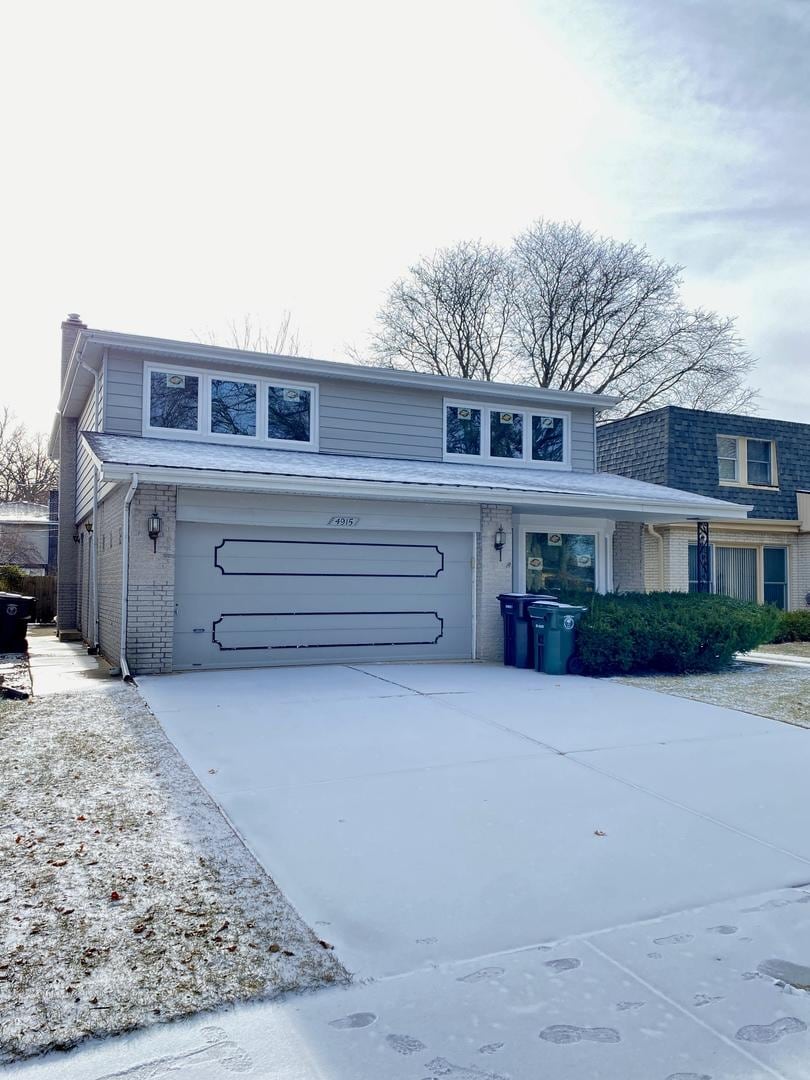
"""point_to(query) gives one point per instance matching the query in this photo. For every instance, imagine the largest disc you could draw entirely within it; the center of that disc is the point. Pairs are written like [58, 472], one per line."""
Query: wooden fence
[44, 589]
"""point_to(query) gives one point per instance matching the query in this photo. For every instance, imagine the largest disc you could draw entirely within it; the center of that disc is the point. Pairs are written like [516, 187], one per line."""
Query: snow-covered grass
[125, 897]
[800, 649]
[778, 692]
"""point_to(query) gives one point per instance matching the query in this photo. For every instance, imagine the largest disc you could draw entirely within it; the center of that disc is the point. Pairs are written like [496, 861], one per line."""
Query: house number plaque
[343, 521]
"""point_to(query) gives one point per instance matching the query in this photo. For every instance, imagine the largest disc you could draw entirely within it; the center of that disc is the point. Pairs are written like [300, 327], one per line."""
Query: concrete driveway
[528, 876]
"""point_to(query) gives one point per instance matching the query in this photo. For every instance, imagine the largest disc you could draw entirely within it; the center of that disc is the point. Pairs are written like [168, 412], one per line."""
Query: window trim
[485, 458]
[759, 547]
[601, 528]
[742, 464]
[203, 432]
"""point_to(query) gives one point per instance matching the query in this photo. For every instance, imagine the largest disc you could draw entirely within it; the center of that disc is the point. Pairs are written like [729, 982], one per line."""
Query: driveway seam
[688, 809]
[762, 1065]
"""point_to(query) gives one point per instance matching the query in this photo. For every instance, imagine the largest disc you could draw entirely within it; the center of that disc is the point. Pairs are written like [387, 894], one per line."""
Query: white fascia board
[304, 485]
[189, 351]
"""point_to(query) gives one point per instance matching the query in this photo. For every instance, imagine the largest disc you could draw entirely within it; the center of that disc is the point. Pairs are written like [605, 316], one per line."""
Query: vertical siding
[84, 465]
[123, 394]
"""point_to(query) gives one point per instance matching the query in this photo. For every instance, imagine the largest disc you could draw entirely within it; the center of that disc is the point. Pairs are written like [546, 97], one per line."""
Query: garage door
[249, 596]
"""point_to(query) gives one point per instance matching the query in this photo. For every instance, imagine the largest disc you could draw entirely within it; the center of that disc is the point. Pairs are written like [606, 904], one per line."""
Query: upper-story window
[746, 462]
[225, 408]
[501, 435]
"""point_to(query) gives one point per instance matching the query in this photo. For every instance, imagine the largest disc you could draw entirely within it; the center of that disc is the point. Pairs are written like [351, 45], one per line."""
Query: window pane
[736, 572]
[288, 413]
[560, 561]
[173, 400]
[693, 568]
[233, 407]
[726, 446]
[547, 438]
[759, 462]
[506, 434]
[774, 565]
[463, 430]
[775, 594]
[727, 469]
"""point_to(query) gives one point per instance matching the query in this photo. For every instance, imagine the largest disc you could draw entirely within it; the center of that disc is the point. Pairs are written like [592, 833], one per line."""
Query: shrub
[669, 632]
[12, 578]
[793, 626]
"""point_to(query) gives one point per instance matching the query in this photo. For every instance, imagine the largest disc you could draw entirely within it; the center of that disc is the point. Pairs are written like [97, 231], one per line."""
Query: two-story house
[746, 460]
[230, 508]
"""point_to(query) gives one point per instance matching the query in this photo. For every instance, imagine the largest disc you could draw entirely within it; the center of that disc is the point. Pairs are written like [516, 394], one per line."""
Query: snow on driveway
[528, 876]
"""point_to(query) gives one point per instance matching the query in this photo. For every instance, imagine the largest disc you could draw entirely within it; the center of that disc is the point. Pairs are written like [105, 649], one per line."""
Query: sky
[169, 167]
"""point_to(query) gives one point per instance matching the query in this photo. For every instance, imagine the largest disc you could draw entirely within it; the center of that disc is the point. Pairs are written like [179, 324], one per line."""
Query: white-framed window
[755, 572]
[505, 435]
[561, 555]
[220, 406]
[746, 462]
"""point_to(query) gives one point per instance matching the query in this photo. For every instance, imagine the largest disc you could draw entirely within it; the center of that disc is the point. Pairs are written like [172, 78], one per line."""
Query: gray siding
[84, 465]
[369, 419]
[380, 421]
[123, 394]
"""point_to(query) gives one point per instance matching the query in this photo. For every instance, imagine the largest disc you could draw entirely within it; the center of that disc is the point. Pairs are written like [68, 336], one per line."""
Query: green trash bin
[554, 628]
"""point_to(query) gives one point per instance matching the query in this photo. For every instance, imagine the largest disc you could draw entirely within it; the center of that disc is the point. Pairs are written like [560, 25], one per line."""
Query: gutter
[386, 489]
[657, 536]
[125, 672]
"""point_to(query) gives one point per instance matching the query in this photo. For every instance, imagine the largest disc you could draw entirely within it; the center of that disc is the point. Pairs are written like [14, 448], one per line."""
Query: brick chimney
[70, 329]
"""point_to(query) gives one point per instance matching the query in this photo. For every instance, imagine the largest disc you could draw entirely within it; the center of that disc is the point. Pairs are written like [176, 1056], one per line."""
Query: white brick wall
[494, 576]
[150, 622]
[628, 557]
[109, 539]
[800, 595]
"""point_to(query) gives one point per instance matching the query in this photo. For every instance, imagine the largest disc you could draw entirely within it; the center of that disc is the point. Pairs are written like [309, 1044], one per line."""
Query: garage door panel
[315, 598]
[327, 558]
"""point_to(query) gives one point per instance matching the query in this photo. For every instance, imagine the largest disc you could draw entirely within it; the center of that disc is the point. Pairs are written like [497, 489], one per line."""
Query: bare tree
[569, 310]
[450, 315]
[248, 333]
[596, 315]
[27, 474]
[16, 550]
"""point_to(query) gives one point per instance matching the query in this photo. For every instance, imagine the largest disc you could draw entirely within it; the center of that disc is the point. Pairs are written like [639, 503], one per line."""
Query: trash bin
[554, 628]
[517, 629]
[16, 612]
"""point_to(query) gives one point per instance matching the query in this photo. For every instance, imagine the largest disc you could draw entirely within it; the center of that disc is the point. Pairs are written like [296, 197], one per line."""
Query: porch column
[703, 558]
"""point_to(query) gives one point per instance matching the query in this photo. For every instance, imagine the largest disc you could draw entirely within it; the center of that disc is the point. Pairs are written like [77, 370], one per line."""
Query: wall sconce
[500, 541]
[77, 536]
[89, 526]
[153, 528]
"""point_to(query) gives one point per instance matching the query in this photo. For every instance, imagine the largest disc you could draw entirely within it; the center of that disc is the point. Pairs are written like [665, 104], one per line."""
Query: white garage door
[249, 596]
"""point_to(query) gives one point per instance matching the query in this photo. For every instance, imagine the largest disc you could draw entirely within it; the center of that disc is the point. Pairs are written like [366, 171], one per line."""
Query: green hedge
[12, 578]
[793, 626]
[669, 632]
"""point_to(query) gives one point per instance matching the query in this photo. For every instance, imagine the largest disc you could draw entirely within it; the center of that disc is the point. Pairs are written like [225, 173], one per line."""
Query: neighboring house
[229, 508]
[748, 460]
[25, 528]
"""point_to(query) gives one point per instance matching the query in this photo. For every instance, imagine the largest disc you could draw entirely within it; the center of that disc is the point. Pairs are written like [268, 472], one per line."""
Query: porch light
[77, 536]
[89, 526]
[153, 527]
[500, 541]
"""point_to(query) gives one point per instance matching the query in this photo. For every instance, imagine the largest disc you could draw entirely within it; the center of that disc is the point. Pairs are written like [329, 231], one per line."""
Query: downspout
[125, 673]
[657, 536]
[94, 647]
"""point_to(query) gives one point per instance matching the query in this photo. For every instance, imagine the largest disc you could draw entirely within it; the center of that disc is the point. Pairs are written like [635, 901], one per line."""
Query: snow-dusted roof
[203, 463]
[24, 513]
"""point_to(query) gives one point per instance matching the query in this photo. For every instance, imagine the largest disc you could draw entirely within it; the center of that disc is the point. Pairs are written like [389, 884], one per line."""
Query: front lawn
[780, 692]
[126, 898]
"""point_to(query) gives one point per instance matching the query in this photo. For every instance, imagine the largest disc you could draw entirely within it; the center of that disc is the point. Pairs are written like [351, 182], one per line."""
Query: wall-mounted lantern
[89, 527]
[77, 537]
[153, 527]
[500, 541]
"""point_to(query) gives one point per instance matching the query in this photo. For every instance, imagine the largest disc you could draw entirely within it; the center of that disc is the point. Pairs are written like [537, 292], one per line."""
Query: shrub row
[793, 626]
[669, 632]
